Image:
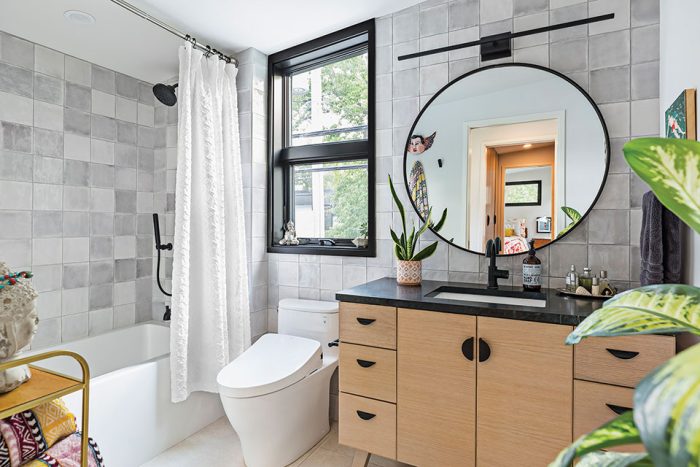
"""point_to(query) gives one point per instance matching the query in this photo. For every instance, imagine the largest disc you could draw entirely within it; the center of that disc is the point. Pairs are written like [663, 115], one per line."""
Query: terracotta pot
[409, 273]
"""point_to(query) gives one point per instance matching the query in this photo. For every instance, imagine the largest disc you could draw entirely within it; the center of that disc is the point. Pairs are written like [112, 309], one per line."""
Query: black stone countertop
[560, 309]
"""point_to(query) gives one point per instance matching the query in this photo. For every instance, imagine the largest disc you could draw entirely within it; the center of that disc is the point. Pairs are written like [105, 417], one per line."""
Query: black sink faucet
[492, 249]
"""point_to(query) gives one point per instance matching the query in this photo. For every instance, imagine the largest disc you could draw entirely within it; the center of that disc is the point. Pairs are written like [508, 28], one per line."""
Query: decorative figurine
[419, 144]
[362, 240]
[290, 235]
[18, 323]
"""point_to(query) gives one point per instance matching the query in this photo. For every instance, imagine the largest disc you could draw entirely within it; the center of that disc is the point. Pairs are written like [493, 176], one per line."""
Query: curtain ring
[208, 52]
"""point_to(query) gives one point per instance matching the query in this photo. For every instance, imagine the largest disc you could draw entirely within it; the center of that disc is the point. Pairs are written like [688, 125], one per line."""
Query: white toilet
[275, 394]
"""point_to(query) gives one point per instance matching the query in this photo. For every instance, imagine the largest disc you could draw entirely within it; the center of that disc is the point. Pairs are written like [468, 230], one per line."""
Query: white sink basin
[506, 298]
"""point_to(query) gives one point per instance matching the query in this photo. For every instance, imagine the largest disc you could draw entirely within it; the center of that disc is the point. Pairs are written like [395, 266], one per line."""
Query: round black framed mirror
[515, 151]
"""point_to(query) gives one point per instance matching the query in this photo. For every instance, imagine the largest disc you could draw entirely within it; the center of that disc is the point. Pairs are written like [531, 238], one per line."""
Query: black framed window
[523, 193]
[321, 124]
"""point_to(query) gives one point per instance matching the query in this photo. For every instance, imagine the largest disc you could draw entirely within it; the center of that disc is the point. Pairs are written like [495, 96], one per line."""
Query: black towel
[660, 243]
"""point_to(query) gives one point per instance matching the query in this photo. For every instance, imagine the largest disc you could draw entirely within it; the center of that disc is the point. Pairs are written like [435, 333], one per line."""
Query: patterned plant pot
[409, 273]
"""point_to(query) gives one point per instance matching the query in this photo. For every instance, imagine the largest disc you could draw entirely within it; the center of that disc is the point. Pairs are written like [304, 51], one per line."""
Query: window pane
[330, 199]
[330, 103]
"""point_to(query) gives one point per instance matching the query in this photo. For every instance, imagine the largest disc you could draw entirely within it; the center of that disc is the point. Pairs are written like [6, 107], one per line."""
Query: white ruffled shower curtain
[210, 323]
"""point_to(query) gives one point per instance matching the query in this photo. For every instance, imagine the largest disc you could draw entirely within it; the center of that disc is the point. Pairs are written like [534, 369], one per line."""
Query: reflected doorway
[520, 197]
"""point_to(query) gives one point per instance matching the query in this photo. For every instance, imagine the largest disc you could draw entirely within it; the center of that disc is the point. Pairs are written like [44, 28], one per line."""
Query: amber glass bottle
[532, 271]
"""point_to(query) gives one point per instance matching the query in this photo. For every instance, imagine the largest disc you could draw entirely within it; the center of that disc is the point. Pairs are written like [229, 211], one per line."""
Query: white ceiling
[122, 41]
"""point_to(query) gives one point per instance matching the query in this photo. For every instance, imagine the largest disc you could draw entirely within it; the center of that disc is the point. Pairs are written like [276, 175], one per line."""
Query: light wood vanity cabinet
[436, 388]
[430, 388]
[524, 392]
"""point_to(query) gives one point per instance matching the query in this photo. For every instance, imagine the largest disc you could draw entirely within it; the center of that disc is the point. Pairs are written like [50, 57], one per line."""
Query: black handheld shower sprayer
[159, 247]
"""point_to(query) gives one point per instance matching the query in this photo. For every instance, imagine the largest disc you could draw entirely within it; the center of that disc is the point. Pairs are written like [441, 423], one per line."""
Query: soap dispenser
[532, 270]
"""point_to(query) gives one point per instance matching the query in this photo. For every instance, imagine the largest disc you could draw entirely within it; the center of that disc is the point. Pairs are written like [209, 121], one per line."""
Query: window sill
[336, 250]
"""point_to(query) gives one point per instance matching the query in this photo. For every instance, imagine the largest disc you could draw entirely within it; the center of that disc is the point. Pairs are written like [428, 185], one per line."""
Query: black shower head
[165, 93]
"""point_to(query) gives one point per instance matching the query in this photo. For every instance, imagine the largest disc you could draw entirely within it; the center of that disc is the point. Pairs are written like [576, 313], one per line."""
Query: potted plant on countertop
[666, 413]
[409, 268]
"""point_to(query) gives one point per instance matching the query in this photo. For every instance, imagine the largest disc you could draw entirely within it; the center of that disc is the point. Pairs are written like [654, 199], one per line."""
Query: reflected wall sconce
[499, 45]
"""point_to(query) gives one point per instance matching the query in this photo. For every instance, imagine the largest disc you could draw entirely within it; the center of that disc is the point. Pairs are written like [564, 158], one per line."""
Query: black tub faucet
[492, 249]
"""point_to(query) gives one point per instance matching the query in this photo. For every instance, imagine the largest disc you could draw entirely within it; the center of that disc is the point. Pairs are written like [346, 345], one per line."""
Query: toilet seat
[274, 362]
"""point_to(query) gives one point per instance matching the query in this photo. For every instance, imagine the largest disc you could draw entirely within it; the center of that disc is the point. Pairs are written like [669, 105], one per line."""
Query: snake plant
[666, 414]
[405, 246]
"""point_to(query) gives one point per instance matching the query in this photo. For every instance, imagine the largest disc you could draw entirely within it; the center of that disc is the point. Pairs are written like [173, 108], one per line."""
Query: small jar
[586, 279]
[595, 287]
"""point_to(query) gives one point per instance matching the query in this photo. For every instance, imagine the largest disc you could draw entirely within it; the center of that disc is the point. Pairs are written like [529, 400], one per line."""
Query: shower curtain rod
[172, 30]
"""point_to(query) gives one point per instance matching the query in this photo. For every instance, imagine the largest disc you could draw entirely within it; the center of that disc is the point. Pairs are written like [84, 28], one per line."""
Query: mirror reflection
[511, 151]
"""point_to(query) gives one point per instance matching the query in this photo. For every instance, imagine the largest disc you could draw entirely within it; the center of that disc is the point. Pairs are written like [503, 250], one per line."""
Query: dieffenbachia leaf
[653, 309]
[572, 214]
[667, 411]
[615, 459]
[671, 167]
[617, 432]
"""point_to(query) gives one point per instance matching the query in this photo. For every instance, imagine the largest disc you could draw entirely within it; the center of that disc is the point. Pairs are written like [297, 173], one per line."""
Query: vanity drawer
[596, 404]
[368, 371]
[368, 325]
[621, 360]
[368, 425]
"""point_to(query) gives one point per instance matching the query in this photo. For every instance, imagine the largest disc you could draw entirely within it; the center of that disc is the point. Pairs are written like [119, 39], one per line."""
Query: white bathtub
[131, 416]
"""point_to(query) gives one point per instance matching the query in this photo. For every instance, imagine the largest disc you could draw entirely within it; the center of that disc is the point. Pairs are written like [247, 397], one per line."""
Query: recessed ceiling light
[79, 17]
[527, 146]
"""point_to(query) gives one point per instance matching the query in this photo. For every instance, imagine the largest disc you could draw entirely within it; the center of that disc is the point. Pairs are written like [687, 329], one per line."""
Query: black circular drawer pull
[468, 349]
[365, 363]
[618, 409]
[366, 321]
[622, 354]
[365, 415]
[484, 350]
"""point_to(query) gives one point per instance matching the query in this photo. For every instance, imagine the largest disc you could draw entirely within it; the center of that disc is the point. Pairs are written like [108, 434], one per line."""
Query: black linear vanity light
[498, 45]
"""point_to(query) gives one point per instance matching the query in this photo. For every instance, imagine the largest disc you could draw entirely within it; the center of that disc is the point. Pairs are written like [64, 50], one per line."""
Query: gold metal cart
[45, 386]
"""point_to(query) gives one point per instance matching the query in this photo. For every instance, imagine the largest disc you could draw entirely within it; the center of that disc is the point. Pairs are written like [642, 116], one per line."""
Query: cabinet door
[436, 388]
[525, 392]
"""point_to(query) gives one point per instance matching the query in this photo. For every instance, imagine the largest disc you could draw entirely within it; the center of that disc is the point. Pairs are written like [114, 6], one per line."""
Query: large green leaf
[615, 459]
[617, 432]
[653, 309]
[667, 411]
[671, 167]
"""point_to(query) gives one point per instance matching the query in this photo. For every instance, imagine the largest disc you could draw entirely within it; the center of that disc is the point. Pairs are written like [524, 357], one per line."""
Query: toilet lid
[272, 363]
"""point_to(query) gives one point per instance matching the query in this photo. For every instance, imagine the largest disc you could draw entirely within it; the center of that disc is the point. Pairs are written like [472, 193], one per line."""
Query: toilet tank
[312, 319]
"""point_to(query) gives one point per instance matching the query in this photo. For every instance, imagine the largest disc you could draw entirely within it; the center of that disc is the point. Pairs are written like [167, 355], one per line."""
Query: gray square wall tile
[526, 7]
[78, 71]
[463, 14]
[17, 51]
[103, 79]
[611, 49]
[569, 56]
[16, 80]
[644, 12]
